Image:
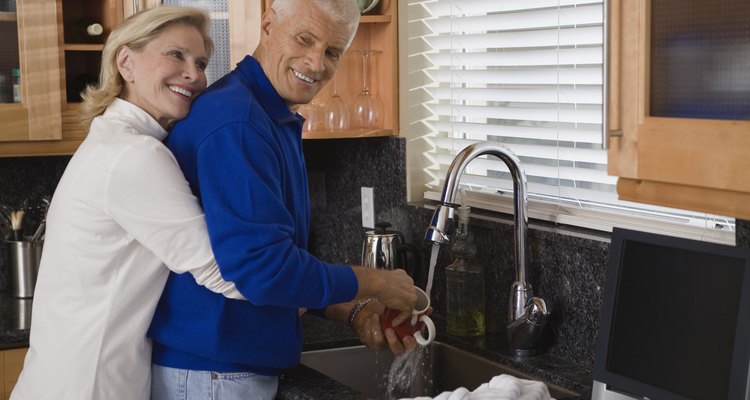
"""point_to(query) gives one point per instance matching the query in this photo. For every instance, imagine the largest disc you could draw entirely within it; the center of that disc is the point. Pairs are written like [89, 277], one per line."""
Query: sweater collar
[266, 94]
[140, 120]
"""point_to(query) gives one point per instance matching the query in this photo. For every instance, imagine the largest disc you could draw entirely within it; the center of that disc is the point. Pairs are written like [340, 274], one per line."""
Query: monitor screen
[675, 320]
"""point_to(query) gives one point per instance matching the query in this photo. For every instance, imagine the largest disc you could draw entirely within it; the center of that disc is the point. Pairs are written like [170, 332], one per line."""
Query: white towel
[501, 387]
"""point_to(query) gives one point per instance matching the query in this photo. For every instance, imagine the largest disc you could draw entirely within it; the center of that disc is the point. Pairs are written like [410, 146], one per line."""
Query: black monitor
[675, 320]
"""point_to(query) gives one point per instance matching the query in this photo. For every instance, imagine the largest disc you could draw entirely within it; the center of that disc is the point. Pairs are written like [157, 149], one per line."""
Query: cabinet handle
[136, 6]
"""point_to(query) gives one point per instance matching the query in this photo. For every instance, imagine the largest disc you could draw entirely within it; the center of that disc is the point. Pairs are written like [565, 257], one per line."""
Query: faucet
[527, 314]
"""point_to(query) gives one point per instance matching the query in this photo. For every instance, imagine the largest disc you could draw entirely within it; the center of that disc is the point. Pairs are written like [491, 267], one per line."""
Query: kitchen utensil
[16, 222]
[40, 230]
[384, 249]
[22, 308]
[24, 257]
[413, 326]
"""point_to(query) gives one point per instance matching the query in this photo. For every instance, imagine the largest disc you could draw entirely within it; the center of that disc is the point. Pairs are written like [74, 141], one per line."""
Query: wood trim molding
[714, 201]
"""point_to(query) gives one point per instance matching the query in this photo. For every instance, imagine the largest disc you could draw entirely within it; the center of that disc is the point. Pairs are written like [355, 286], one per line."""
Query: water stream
[406, 370]
[409, 368]
[431, 273]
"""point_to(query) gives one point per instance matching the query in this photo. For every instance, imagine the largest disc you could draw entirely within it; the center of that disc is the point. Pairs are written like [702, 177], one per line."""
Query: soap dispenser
[465, 283]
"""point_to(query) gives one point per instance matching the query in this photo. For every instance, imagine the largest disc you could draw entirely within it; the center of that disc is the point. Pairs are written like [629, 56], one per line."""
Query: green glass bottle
[465, 283]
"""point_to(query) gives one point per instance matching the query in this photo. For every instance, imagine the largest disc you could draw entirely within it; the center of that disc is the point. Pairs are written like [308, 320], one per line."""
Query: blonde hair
[135, 33]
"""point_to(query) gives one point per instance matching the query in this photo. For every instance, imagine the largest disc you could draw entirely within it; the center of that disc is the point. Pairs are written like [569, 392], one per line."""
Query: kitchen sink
[427, 371]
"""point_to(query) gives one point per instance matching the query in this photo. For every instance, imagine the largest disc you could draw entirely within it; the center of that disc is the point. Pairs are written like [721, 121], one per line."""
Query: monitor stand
[601, 392]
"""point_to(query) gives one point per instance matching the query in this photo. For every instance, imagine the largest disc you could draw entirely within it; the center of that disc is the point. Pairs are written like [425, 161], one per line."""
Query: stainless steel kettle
[386, 249]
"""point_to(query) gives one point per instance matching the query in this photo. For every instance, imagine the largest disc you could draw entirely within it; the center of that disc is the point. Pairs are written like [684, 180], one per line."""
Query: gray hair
[344, 11]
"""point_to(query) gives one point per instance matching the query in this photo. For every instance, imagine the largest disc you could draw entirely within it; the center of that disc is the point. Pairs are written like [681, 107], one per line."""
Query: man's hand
[394, 289]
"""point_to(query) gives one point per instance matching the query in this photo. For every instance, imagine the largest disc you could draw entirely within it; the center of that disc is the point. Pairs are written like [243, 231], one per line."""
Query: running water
[431, 273]
[408, 374]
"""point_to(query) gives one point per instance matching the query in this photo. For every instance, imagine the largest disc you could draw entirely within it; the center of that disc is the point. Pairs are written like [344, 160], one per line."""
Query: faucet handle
[536, 311]
[525, 331]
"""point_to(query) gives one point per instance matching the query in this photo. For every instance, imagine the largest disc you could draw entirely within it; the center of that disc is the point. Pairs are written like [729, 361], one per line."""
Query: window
[527, 74]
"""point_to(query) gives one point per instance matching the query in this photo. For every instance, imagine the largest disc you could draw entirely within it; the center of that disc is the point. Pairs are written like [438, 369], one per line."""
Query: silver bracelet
[357, 309]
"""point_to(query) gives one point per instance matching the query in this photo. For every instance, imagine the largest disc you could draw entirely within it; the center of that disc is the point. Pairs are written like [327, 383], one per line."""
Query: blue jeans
[184, 384]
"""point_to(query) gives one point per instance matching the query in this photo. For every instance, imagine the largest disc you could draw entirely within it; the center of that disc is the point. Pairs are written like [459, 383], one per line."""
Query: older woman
[121, 211]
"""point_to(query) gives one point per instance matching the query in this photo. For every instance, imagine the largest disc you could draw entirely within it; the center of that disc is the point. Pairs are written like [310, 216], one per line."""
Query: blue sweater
[241, 150]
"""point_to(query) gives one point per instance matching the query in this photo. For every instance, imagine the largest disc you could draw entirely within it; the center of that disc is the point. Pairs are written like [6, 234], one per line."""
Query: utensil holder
[23, 258]
[23, 313]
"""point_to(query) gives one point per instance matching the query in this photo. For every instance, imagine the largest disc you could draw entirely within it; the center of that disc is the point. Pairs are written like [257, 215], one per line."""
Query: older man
[241, 150]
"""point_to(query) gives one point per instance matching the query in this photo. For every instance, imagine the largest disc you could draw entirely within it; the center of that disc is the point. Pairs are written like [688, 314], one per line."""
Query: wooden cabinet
[11, 362]
[54, 68]
[378, 31]
[32, 47]
[82, 56]
[679, 104]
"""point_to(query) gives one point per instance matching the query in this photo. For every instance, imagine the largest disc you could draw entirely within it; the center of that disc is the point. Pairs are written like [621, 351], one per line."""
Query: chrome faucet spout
[522, 338]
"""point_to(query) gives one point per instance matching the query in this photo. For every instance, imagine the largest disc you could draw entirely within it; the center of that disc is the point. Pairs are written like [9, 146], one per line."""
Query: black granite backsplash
[27, 179]
[567, 267]
[566, 270]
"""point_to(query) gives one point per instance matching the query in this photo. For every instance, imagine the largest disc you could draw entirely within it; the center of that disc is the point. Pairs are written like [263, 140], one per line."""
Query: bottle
[84, 30]
[16, 85]
[465, 283]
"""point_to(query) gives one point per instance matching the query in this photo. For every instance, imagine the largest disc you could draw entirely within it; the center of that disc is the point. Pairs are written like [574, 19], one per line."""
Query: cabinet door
[30, 47]
[12, 364]
[679, 115]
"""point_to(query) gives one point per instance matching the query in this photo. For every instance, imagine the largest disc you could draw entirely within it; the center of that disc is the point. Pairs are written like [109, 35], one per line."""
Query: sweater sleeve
[246, 194]
[149, 197]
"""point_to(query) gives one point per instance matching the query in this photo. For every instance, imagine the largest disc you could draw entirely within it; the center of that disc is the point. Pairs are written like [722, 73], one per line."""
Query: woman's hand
[367, 326]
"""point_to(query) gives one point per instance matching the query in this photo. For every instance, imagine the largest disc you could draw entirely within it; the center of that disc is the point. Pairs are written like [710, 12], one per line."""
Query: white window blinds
[527, 74]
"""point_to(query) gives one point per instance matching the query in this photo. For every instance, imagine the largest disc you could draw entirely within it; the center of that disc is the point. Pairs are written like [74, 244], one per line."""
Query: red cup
[413, 326]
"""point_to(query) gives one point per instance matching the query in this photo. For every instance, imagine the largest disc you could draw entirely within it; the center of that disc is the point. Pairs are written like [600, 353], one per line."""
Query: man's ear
[125, 63]
[265, 24]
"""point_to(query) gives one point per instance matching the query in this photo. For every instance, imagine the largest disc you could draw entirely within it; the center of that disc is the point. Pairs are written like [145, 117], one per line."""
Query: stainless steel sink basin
[439, 367]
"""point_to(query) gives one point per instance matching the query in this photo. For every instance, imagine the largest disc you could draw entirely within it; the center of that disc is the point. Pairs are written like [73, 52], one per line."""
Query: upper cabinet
[57, 53]
[679, 103]
[30, 75]
[56, 47]
[362, 99]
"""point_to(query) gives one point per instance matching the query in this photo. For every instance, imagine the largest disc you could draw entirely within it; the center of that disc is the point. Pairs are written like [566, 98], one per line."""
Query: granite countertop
[303, 383]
